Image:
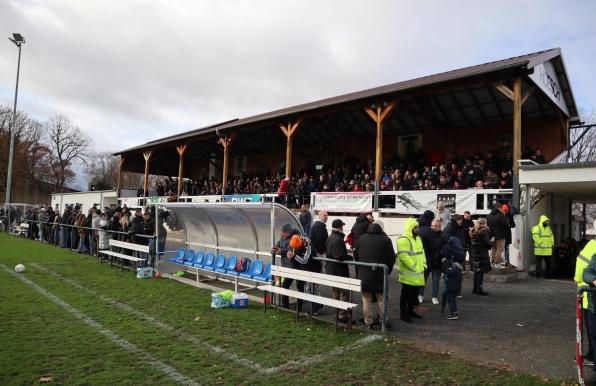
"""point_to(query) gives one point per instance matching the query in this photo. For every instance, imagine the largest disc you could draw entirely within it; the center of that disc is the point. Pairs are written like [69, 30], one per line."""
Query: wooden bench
[345, 283]
[121, 256]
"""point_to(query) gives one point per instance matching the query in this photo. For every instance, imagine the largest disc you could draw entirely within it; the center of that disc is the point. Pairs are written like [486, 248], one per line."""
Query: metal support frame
[527, 227]
[373, 266]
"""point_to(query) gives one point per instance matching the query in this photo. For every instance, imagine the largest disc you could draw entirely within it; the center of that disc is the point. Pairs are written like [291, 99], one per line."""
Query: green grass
[40, 338]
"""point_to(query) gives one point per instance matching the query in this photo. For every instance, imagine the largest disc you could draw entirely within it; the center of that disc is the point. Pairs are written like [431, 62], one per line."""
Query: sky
[127, 72]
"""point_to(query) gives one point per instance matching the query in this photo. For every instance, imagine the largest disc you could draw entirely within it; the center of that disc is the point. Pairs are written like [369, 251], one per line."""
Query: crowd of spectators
[90, 231]
[492, 170]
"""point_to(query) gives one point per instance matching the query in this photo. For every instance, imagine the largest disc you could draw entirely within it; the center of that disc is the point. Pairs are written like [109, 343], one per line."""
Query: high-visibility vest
[544, 240]
[581, 263]
[412, 261]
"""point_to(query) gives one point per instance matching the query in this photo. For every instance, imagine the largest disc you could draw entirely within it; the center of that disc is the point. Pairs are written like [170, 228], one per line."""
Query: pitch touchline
[154, 362]
[155, 321]
[231, 356]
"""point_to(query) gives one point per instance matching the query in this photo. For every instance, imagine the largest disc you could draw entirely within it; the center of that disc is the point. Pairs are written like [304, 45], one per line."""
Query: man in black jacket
[282, 248]
[455, 229]
[336, 249]
[499, 227]
[318, 239]
[136, 228]
[466, 225]
[432, 243]
[373, 247]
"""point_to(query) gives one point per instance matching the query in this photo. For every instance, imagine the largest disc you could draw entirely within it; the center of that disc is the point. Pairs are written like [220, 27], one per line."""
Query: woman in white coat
[103, 235]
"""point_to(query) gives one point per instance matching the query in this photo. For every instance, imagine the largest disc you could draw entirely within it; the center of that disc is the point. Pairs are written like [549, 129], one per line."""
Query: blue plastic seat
[256, 269]
[266, 276]
[218, 263]
[235, 273]
[229, 265]
[189, 256]
[208, 260]
[197, 259]
[179, 256]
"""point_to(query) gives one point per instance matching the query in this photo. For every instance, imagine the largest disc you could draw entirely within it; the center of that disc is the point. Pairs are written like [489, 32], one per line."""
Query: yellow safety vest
[543, 238]
[581, 263]
[412, 261]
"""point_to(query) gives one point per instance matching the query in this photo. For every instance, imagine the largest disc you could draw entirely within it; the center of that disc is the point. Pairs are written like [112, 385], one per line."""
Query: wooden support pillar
[225, 141]
[120, 166]
[181, 149]
[147, 156]
[378, 115]
[289, 131]
[517, 124]
[518, 100]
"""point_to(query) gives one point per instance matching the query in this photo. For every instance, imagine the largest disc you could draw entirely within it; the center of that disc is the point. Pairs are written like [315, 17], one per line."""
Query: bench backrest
[219, 261]
[318, 278]
[199, 256]
[131, 246]
[231, 263]
[209, 259]
[256, 268]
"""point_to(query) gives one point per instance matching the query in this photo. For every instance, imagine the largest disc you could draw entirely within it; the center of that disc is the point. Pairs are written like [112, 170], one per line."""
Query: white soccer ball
[19, 268]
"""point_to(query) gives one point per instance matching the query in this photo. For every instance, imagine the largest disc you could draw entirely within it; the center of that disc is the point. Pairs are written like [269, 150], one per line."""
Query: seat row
[255, 270]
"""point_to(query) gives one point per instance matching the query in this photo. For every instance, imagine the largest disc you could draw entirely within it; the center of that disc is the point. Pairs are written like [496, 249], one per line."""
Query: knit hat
[295, 242]
[429, 214]
[286, 228]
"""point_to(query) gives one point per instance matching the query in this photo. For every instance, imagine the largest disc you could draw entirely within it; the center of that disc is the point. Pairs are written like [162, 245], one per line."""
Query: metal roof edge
[571, 165]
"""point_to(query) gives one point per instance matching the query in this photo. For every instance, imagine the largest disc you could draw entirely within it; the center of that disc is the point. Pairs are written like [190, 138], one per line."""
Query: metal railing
[68, 236]
[373, 266]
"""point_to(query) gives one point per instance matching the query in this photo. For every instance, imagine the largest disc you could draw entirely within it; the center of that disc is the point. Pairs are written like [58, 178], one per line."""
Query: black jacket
[358, 229]
[454, 230]
[336, 249]
[318, 239]
[318, 236]
[374, 247]
[136, 228]
[432, 242]
[149, 227]
[498, 225]
[305, 218]
[481, 244]
[466, 225]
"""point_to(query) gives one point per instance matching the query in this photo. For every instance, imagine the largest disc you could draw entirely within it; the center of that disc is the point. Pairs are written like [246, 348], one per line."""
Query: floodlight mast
[18, 41]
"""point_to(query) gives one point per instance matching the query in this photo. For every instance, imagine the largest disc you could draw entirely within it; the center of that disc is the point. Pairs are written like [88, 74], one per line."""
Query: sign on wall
[546, 78]
[343, 202]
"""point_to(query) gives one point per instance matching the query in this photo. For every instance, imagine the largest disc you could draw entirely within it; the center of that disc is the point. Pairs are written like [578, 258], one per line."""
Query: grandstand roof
[528, 62]
[457, 98]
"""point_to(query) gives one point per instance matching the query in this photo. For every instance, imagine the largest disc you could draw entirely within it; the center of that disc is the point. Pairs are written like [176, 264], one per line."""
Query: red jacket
[283, 187]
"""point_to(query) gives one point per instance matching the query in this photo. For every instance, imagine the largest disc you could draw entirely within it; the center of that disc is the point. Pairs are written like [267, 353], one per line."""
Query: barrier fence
[77, 238]
[74, 237]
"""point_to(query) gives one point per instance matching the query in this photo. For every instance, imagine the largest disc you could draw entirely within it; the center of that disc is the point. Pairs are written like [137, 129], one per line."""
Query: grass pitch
[172, 326]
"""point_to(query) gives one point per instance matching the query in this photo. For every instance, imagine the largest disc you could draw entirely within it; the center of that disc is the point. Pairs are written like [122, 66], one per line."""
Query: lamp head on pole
[17, 39]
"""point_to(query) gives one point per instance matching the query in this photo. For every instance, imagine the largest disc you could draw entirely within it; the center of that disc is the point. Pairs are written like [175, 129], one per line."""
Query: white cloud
[128, 72]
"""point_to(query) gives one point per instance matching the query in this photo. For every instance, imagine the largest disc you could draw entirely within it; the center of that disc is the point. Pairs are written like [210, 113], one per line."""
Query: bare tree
[67, 144]
[585, 148]
[29, 149]
[102, 170]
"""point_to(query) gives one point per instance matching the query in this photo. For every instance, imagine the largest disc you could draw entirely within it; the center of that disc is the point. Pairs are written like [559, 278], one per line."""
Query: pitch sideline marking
[155, 363]
[155, 321]
[231, 356]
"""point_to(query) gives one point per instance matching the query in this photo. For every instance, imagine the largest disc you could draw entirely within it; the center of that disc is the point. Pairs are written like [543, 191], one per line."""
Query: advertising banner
[344, 202]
